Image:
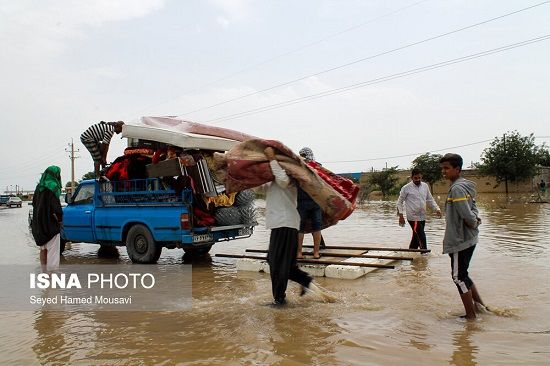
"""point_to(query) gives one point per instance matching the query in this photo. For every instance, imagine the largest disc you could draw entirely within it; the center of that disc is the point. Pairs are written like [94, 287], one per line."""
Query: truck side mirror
[68, 198]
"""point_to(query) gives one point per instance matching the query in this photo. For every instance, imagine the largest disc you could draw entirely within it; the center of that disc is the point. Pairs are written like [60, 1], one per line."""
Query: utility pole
[505, 174]
[71, 152]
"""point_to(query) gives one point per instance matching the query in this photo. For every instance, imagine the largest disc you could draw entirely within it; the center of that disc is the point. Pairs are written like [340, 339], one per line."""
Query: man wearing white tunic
[282, 218]
[412, 202]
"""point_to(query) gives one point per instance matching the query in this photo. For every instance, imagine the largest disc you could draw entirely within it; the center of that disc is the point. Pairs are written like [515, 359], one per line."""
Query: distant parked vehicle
[3, 199]
[14, 202]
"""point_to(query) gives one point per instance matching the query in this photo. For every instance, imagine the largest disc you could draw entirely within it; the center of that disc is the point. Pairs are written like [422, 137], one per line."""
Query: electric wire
[363, 59]
[418, 153]
[286, 53]
[24, 164]
[377, 80]
[407, 155]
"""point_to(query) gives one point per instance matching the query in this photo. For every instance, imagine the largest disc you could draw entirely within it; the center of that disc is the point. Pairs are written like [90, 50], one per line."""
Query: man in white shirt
[412, 200]
[281, 216]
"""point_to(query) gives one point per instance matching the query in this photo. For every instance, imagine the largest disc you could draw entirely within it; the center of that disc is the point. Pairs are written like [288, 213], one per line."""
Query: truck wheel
[141, 246]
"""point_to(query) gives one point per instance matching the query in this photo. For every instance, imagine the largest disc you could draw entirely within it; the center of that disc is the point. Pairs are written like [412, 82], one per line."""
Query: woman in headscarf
[47, 217]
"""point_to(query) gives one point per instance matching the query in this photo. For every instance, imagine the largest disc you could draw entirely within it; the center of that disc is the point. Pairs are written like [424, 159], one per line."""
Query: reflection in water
[419, 335]
[519, 230]
[420, 264]
[240, 327]
[203, 260]
[293, 335]
[465, 352]
[51, 341]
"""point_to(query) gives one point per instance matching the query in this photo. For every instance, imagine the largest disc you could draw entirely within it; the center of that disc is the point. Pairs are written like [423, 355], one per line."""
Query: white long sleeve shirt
[281, 200]
[412, 200]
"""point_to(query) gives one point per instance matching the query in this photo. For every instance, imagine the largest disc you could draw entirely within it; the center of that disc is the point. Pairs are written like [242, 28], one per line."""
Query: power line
[407, 155]
[418, 153]
[364, 59]
[37, 161]
[286, 53]
[379, 80]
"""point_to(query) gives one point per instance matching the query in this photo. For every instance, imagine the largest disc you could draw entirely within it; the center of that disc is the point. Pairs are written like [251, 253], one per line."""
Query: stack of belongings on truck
[130, 166]
[245, 166]
[212, 205]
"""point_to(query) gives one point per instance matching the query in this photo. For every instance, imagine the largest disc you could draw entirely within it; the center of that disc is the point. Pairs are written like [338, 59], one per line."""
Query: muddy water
[405, 316]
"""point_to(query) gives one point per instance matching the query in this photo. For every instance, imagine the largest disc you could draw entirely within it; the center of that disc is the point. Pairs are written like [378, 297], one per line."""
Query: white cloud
[106, 73]
[42, 28]
[100, 11]
[224, 22]
[233, 10]
[75, 13]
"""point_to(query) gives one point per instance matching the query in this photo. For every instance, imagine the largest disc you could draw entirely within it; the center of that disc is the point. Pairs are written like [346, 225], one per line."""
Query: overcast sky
[68, 64]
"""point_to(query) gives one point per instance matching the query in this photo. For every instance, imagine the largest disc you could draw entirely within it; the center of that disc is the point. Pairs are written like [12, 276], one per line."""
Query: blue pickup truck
[142, 216]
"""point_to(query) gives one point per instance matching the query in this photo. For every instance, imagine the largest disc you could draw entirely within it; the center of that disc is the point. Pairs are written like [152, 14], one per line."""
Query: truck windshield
[84, 195]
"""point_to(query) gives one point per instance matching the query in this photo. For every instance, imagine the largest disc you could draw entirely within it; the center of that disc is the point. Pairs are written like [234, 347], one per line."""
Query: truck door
[78, 216]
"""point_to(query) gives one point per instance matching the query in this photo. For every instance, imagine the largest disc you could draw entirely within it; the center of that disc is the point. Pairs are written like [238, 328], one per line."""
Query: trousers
[281, 256]
[418, 239]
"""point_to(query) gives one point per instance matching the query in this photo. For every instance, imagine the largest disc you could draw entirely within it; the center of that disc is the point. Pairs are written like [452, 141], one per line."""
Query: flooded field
[404, 316]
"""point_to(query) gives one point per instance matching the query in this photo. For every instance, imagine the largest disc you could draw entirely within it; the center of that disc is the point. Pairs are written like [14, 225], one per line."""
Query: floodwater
[402, 316]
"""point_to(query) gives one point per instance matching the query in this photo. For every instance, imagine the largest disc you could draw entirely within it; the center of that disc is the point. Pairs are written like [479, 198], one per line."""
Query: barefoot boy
[461, 231]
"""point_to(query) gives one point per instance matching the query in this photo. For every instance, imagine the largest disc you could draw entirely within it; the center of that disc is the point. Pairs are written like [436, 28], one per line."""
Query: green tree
[429, 166]
[89, 175]
[364, 191]
[510, 158]
[543, 155]
[385, 180]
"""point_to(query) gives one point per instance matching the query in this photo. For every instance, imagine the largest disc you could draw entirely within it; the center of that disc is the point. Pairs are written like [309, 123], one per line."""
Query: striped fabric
[458, 281]
[460, 262]
[93, 148]
[100, 132]
[94, 135]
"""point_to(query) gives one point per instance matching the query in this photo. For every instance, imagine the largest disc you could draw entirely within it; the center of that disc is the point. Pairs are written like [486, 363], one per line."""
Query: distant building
[353, 176]
[485, 184]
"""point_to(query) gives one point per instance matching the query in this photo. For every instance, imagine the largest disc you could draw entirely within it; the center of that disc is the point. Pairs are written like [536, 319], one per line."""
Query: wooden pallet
[345, 262]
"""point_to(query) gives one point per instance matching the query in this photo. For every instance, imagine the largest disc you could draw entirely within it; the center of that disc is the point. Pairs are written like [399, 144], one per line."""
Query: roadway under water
[407, 315]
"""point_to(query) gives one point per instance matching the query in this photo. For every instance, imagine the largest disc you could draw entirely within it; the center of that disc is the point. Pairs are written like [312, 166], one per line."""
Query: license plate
[202, 237]
[244, 231]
